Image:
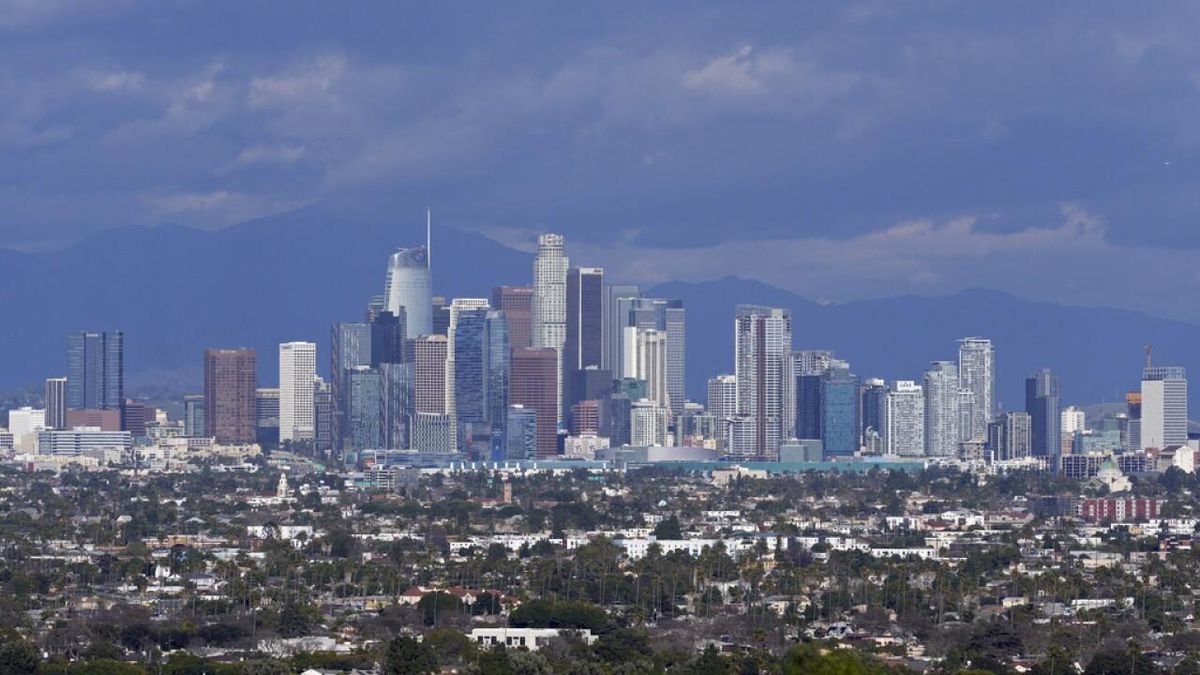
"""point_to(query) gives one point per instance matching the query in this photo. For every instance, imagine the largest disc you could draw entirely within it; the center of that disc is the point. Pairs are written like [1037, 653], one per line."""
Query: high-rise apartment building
[1043, 393]
[476, 309]
[297, 374]
[409, 290]
[396, 382]
[230, 381]
[517, 304]
[904, 420]
[96, 370]
[722, 403]
[762, 342]
[56, 403]
[323, 417]
[532, 385]
[977, 374]
[364, 411]
[1010, 435]
[1164, 407]
[941, 409]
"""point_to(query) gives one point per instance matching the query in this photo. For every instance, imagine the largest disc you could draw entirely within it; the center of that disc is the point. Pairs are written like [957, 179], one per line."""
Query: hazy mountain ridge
[176, 290]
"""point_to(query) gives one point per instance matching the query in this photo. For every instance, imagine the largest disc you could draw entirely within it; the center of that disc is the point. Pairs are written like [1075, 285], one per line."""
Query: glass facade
[470, 366]
[521, 438]
[364, 428]
[410, 289]
[95, 370]
[839, 413]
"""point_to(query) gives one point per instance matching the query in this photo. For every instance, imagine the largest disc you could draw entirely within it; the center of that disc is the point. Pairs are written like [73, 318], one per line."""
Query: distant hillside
[175, 291]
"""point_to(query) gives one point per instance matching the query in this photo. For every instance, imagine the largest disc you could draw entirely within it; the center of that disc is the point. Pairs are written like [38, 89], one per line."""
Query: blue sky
[840, 150]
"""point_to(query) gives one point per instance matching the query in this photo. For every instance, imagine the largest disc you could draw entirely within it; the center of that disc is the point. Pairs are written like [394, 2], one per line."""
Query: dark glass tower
[96, 370]
[1042, 396]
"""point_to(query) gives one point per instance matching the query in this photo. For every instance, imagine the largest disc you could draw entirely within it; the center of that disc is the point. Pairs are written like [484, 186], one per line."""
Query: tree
[18, 656]
[1117, 661]
[811, 660]
[292, 621]
[436, 604]
[623, 645]
[668, 528]
[406, 656]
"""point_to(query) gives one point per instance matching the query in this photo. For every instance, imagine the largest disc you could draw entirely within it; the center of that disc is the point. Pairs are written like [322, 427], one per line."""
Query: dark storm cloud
[642, 125]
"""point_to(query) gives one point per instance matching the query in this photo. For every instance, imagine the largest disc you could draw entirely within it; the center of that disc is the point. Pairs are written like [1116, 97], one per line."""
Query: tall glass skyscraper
[499, 353]
[350, 347]
[839, 412]
[470, 366]
[364, 419]
[410, 289]
[549, 307]
[762, 342]
[95, 370]
[1043, 393]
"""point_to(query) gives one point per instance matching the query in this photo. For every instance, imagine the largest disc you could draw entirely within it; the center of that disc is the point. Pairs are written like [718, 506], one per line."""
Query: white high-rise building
[941, 409]
[648, 423]
[722, 403]
[409, 290]
[1164, 407]
[652, 365]
[977, 374]
[24, 424]
[549, 303]
[904, 420]
[297, 377]
[762, 344]
[1073, 419]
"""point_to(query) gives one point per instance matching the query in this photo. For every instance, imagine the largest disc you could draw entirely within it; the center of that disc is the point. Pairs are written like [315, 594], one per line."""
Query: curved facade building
[410, 286]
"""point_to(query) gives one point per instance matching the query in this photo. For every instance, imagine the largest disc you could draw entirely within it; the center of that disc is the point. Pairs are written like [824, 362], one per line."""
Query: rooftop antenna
[428, 238]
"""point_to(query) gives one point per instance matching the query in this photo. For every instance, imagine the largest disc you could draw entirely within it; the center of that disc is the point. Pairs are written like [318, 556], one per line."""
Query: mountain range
[175, 291]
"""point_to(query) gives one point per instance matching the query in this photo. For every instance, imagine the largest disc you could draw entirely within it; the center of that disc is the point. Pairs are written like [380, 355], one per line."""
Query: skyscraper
[517, 304]
[499, 359]
[762, 341]
[873, 400]
[396, 381]
[941, 409]
[1164, 407]
[96, 370]
[521, 435]
[477, 307]
[364, 412]
[839, 412]
[722, 403]
[617, 301]
[808, 405]
[652, 365]
[977, 374]
[584, 337]
[532, 385]
[549, 307]
[1009, 436]
[230, 408]
[1042, 396]
[429, 375]
[56, 403]
[297, 374]
[388, 336]
[349, 348]
[904, 420]
[470, 362]
[266, 416]
[409, 290]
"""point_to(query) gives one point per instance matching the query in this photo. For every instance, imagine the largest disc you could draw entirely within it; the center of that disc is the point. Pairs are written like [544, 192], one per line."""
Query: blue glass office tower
[470, 366]
[96, 370]
[396, 382]
[521, 441]
[499, 352]
[839, 412]
[349, 348]
[364, 428]
[808, 406]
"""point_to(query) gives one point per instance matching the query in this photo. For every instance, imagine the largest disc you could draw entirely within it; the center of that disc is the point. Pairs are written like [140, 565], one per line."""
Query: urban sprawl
[519, 484]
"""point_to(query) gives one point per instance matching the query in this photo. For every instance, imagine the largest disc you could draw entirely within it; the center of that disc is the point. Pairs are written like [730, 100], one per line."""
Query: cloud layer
[858, 148]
